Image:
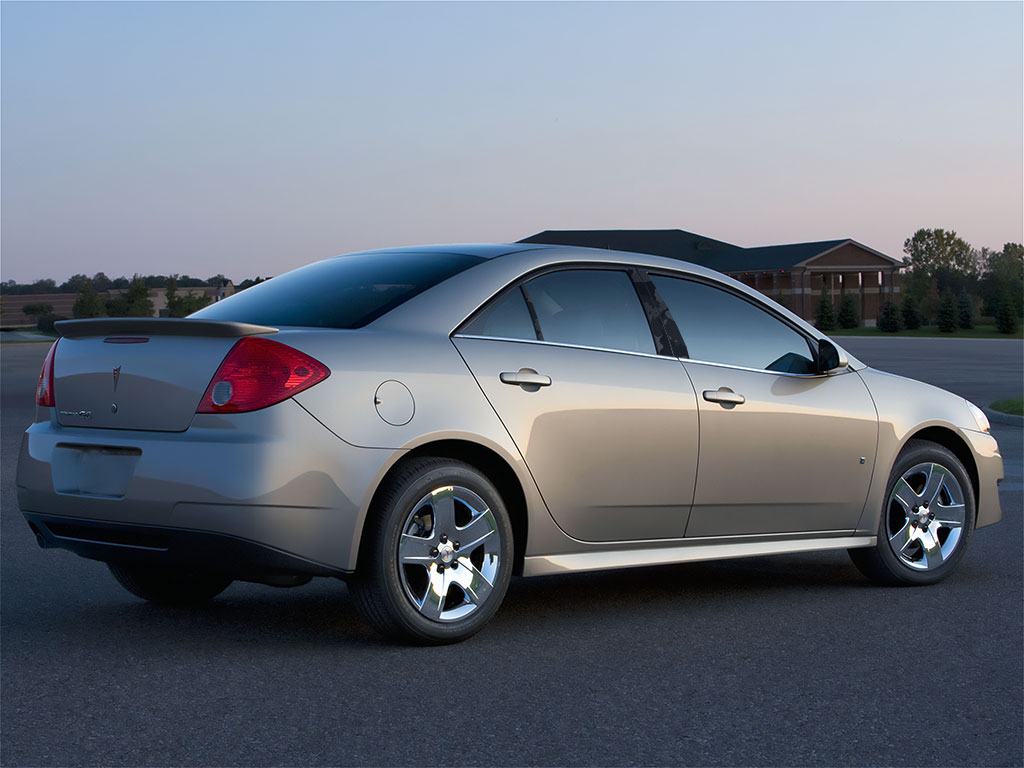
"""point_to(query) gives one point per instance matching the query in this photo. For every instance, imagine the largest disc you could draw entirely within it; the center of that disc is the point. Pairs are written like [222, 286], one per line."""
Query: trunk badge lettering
[79, 414]
[117, 375]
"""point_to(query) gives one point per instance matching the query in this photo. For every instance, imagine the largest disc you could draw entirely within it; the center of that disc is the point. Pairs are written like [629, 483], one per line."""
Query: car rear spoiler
[157, 326]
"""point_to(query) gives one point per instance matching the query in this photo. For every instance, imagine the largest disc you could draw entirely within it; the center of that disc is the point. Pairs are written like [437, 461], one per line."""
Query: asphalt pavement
[767, 661]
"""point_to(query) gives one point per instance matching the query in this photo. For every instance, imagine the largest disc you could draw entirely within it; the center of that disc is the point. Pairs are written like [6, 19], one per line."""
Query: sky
[251, 138]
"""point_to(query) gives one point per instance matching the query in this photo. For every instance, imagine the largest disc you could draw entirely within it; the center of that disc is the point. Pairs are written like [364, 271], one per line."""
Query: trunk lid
[138, 373]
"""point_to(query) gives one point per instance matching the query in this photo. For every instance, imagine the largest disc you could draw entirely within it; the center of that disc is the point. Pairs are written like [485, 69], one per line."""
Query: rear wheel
[168, 584]
[436, 558]
[926, 522]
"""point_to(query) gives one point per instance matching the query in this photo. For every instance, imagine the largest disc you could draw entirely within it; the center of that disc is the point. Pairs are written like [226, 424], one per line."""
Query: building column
[860, 297]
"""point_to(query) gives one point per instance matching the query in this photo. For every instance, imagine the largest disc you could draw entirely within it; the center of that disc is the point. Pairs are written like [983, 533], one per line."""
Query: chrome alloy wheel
[926, 516]
[449, 554]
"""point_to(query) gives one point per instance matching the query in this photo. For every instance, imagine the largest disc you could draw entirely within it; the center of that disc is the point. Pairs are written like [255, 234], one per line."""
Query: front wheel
[436, 558]
[926, 522]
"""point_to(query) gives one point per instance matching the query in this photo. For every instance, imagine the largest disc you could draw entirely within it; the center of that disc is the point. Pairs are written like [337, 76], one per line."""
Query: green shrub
[965, 310]
[45, 322]
[947, 313]
[38, 309]
[1006, 318]
[889, 320]
[848, 312]
[911, 314]
[825, 317]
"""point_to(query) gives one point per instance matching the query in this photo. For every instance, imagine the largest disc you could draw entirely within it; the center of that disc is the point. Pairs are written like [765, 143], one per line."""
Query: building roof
[706, 251]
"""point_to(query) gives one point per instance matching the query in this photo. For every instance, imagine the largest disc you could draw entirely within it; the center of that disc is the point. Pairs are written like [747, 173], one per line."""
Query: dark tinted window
[506, 318]
[591, 308]
[719, 327]
[345, 292]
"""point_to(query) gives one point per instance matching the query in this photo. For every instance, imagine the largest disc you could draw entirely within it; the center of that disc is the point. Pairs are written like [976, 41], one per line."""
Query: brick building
[796, 275]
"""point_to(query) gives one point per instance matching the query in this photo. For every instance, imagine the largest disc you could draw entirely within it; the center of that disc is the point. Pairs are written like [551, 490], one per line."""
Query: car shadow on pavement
[321, 614]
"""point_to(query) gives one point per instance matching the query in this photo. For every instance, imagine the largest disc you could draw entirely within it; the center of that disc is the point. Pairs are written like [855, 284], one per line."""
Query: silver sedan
[425, 422]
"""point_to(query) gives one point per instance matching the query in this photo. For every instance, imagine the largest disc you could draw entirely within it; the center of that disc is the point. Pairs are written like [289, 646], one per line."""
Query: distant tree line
[130, 300]
[947, 283]
[101, 283]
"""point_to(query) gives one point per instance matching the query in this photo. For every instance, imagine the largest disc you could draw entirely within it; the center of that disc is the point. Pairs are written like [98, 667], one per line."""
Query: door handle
[726, 397]
[527, 378]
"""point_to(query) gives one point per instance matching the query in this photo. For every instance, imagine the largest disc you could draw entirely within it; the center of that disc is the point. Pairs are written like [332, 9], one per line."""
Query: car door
[606, 425]
[782, 448]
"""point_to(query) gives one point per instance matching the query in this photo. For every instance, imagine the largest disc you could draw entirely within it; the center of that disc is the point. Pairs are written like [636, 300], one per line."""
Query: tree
[88, 303]
[190, 303]
[889, 319]
[183, 306]
[947, 313]
[116, 305]
[825, 317]
[940, 255]
[74, 284]
[910, 312]
[100, 282]
[171, 292]
[37, 308]
[249, 283]
[138, 303]
[965, 310]
[1006, 316]
[1004, 279]
[848, 312]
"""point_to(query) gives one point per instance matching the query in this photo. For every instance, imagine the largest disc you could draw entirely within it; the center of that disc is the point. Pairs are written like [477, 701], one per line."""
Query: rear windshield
[344, 292]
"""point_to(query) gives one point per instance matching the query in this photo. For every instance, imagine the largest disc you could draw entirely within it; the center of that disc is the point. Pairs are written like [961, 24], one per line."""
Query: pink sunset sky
[251, 138]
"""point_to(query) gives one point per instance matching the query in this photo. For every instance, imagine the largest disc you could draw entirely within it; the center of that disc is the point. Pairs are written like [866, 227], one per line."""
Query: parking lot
[765, 661]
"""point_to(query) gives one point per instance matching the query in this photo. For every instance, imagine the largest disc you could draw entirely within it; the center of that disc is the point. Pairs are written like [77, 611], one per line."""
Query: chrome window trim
[753, 370]
[562, 344]
[637, 354]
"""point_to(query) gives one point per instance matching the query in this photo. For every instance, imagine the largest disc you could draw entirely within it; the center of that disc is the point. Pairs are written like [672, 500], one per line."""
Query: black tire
[880, 563]
[383, 594]
[169, 585]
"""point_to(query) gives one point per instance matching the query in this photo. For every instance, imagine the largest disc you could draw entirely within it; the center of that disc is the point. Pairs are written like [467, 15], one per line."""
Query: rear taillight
[258, 373]
[44, 390]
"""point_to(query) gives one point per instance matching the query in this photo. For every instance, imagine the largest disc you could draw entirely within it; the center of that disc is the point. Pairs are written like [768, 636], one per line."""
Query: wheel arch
[489, 463]
[949, 439]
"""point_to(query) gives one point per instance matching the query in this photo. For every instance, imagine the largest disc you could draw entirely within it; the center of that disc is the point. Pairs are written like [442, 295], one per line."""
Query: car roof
[483, 250]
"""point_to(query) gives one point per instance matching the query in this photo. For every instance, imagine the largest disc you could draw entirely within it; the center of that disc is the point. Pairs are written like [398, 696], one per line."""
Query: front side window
[720, 327]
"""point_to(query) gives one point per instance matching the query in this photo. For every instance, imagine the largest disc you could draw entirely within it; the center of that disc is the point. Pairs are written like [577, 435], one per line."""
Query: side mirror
[830, 357]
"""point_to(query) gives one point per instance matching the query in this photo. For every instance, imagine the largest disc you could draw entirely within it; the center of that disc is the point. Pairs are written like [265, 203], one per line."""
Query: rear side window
[590, 308]
[507, 318]
[344, 292]
[720, 327]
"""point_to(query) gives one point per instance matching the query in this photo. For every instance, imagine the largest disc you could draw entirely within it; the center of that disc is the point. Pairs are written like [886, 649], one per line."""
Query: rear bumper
[275, 480]
[156, 545]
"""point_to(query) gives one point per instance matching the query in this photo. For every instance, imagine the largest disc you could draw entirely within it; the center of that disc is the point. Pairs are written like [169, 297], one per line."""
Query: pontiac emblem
[117, 375]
